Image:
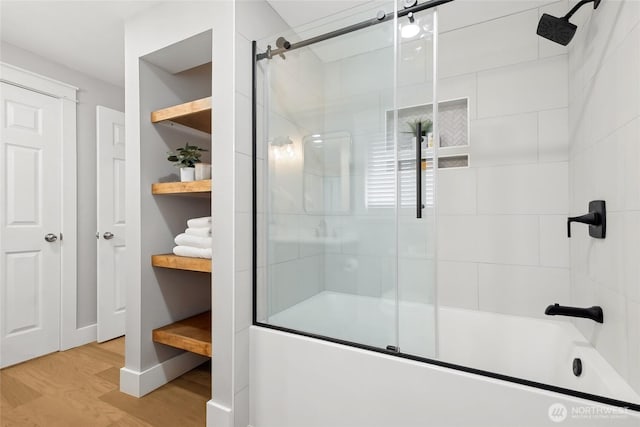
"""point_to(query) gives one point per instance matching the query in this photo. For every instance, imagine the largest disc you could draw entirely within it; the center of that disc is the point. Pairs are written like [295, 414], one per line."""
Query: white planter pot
[187, 174]
[203, 171]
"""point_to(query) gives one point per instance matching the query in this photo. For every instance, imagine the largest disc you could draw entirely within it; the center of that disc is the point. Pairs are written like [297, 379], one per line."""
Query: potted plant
[186, 158]
[426, 126]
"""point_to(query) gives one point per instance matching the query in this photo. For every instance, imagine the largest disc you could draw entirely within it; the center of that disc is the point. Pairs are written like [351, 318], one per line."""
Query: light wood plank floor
[80, 387]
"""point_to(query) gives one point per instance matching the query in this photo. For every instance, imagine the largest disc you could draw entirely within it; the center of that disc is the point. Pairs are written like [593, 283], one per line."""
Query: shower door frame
[255, 322]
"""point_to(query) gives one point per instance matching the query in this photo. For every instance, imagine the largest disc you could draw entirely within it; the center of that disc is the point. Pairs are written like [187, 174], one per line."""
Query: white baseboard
[218, 415]
[78, 337]
[138, 384]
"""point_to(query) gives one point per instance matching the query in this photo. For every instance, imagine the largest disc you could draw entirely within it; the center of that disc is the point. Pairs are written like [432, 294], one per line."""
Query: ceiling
[87, 36]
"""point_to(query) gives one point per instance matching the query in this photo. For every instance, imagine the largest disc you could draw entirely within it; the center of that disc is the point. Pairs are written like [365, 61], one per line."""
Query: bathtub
[364, 388]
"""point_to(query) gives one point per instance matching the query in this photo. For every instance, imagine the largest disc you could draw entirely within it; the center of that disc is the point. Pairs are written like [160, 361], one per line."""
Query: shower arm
[578, 6]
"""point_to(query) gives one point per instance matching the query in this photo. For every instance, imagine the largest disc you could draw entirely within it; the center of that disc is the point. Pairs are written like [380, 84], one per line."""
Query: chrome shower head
[560, 30]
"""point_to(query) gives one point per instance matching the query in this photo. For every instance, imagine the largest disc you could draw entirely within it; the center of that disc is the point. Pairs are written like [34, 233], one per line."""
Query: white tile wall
[501, 239]
[530, 86]
[604, 256]
[630, 256]
[629, 136]
[553, 135]
[241, 408]
[244, 67]
[604, 113]
[243, 290]
[524, 189]
[633, 331]
[554, 245]
[457, 191]
[243, 129]
[608, 173]
[242, 241]
[505, 140]
[492, 44]
[458, 284]
[521, 291]
[243, 179]
[612, 343]
[242, 359]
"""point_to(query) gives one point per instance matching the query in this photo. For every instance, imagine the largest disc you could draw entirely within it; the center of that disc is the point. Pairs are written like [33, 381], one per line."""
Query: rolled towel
[200, 231]
[205, 221]
[192, 252]
[193, 241]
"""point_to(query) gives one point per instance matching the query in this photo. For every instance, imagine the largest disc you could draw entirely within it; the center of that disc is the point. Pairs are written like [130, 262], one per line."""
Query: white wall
[254, 20]
[604, 123]
[92, 92]
[157, 298]
[502, 243]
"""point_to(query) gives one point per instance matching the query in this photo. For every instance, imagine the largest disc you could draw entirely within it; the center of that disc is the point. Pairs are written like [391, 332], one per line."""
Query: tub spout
[594, 313]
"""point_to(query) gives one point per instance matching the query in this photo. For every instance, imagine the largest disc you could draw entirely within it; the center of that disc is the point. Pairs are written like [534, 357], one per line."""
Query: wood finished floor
[80, 387]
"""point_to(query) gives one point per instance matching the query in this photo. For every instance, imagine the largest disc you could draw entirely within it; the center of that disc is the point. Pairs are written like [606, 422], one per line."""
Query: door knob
[108, 235]
[50, 237]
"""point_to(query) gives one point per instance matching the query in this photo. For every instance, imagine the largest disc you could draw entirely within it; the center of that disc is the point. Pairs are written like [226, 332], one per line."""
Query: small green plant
[186, 157]
[426, 126]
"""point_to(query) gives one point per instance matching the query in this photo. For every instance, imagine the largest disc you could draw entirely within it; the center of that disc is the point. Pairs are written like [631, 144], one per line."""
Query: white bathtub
[540, 350]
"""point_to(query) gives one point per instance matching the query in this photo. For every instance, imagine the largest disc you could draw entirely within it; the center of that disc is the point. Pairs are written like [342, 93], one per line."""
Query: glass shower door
[417, 162]
[329, 226]
[338, 183]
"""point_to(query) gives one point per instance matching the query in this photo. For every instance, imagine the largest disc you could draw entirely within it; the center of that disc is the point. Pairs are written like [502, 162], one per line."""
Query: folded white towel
[199, 231]
[205, 221]
[193, 241]
[192, 252]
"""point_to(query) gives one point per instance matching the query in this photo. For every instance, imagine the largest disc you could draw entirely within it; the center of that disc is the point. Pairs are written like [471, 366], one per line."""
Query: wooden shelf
[181, 262]
[194, 114]
[191, 188]
[192, 334]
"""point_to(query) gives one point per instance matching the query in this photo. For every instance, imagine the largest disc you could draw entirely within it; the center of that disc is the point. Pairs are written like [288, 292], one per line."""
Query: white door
[30, 224]
[111, 224]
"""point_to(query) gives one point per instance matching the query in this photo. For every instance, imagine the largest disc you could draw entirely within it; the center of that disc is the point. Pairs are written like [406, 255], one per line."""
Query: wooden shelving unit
[192, 334]
[191, 188]
[195, 114]
[181, 263]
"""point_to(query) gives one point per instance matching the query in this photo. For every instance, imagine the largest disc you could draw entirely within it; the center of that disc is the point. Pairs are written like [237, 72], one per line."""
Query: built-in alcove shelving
[181, 263]
[194, 114]
[192, 334]
[191, 188]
